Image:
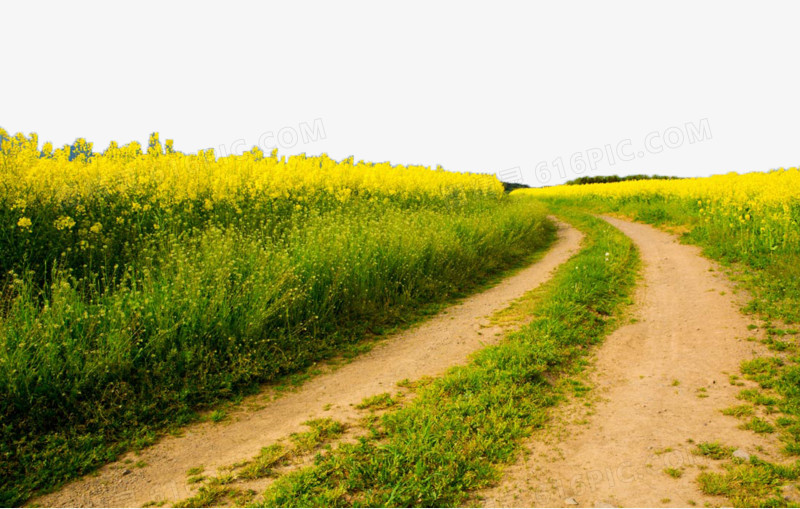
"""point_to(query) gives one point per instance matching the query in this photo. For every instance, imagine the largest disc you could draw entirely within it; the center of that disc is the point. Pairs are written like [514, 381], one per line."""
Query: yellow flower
[96, 228]
[24, 223]
[64, 223]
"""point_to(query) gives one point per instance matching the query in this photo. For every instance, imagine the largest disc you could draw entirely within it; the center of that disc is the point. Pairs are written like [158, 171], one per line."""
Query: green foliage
[510, 186]
[675, 473]
[447, 440]
[92, 365]
[713, 450]
[759, 425]
[755, 483]
[602, 179]
[264, 464]
[739, 411]
[322, 430]
[377, 402]
[195, 471]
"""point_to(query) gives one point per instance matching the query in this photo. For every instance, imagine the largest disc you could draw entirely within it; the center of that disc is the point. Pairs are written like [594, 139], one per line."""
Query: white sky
[473, 87]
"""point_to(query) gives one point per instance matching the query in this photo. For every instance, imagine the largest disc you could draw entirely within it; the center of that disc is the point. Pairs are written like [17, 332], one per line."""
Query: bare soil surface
[425, 350]
[660, 382]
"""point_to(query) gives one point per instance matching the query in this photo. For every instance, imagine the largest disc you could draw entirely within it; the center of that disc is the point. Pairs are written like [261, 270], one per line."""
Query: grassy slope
[453, 435]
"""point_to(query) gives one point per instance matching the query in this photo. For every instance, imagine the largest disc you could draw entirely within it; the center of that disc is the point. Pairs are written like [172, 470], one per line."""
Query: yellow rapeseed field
[159, 176]
[760, 209]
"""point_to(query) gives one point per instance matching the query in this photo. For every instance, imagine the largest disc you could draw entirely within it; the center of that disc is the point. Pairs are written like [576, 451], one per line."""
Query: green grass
[450, 438]
[675, 473]
[263, 465]
[223, 489]
[759, 483]
[378, 402]
[755, 483]
[209, 316]
[322, 430]
[759, 425]
[713, 450]
[763, 370]
[218, 416]
[209, 495]
[780, 394]
[578, 388]
[195, 470]
[739, 411]
[758, 397]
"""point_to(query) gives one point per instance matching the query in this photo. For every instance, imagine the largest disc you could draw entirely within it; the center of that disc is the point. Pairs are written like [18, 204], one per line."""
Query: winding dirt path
[662, 380]
[428, 349]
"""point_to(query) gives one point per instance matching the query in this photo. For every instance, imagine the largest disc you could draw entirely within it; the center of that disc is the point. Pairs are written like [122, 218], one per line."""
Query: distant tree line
[510, 186]
[607, 179]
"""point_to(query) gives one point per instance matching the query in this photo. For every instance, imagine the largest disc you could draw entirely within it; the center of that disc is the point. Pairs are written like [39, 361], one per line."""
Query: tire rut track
[661, 380]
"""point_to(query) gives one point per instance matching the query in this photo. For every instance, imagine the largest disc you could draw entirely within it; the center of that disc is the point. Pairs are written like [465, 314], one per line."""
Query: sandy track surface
[661, 381]
[427, 349]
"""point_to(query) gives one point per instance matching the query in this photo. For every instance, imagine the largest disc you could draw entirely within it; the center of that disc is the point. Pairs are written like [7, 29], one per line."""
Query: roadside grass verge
[451, 438]
[224, 489]
[748, 483]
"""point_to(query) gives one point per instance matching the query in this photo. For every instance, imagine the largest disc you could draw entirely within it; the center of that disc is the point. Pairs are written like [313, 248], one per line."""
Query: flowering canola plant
[81, 208]
[171, 179]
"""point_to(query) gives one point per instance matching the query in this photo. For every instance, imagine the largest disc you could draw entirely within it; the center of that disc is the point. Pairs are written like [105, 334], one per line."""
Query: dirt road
[661, 381]
[428, 349]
